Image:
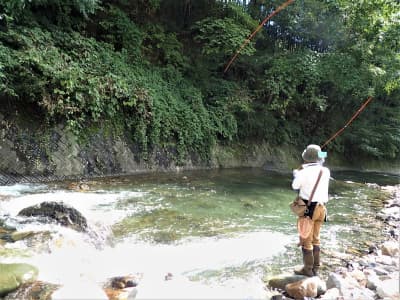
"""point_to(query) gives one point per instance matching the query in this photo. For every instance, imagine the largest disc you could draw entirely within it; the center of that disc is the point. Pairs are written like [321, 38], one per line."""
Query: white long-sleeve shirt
[305, 179]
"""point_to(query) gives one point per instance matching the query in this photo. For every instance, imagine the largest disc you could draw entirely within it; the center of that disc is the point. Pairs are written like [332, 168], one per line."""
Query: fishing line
[282, 6]
[362, 107]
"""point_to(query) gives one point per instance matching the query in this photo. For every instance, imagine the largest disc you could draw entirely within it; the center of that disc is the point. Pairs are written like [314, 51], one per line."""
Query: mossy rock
[37, 290]
[14, 275]
[18, 236]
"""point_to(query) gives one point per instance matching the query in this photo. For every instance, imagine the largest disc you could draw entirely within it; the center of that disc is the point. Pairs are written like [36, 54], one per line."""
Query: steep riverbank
[30, 155]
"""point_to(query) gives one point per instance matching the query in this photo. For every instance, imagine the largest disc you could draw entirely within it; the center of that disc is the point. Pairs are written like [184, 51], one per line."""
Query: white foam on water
[81, 289]
[73, 263]
[18, 189]
[81, 268]
[182, 288]
[96, 207]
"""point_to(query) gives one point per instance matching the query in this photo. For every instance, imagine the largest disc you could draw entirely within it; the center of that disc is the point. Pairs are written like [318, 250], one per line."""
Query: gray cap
[310, 154]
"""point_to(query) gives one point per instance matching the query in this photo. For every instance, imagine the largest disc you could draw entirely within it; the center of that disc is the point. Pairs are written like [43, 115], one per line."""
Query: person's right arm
[296, 183]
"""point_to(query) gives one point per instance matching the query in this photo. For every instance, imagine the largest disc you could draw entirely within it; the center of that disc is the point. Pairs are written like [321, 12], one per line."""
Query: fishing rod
[282, 6]
[362, 107]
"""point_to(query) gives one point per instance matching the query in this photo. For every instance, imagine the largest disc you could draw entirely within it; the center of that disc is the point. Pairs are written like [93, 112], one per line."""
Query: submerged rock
[122, 287]
[12, 276]
[17, 236]
[168, 276]
[59, 212]
[6, 232]
[79, 186]
[121, 282]
[5, 228]
[37, 290]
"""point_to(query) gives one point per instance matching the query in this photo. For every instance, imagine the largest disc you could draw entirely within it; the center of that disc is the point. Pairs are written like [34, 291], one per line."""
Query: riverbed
[215, 233]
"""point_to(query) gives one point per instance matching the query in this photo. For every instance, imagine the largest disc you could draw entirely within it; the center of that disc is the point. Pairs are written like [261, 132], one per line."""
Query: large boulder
[308, 287]
[280, 282]
[59, 212]
[12, 276]
[298, 284]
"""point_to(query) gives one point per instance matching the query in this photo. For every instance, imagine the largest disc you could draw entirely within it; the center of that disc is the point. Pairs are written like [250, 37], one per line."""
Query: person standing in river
[304, 181]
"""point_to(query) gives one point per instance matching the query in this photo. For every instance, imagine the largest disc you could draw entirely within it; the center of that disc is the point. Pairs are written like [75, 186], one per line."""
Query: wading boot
[308, 261]
[316, 251]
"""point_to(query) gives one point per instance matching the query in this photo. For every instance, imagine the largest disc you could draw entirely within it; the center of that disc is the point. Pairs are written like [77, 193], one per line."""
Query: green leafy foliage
[20, 9]
[116, 28]
[221, 37]
[153, 70]
[376, 137]
[293, 81]
[82, 82]
[163, 48]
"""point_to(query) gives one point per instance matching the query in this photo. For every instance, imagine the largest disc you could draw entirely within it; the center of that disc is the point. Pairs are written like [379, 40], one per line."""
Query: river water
[217, 232]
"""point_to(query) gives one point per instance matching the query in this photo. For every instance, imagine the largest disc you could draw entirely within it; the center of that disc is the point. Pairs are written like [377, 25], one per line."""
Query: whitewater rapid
[226, 266]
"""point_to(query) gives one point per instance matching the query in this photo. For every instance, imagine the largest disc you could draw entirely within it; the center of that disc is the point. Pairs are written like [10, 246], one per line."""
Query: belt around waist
[314, 203]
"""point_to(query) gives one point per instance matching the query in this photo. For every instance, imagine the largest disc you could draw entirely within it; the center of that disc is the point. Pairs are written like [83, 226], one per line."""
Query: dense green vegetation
[154, 69]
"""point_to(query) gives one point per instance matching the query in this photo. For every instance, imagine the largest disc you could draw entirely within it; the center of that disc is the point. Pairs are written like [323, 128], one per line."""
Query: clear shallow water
[217, 232]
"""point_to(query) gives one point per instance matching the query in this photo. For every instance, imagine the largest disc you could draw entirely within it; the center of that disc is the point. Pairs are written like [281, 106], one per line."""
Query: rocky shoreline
[372, 276]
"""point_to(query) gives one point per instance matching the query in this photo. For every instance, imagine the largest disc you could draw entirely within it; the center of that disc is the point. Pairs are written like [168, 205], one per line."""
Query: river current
[216, 233]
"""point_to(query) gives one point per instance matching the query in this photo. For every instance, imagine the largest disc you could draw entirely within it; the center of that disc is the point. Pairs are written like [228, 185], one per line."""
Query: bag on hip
[298, 207]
